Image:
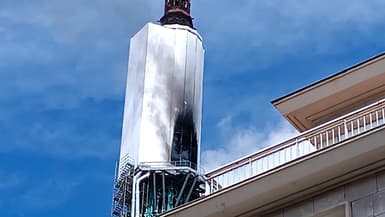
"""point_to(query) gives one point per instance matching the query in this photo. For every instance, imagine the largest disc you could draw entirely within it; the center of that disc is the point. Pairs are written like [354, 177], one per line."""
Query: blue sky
[62, 77]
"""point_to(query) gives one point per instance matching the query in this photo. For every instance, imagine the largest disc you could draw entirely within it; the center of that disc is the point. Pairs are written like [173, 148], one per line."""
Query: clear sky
[62, 80]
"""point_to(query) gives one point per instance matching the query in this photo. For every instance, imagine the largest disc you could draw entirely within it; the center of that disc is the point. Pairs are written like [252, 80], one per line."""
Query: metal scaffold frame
[153, 188]
[122, 191]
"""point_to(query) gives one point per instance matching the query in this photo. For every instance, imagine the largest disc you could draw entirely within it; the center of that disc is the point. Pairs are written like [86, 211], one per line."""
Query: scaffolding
[154, 188]
[122, 191]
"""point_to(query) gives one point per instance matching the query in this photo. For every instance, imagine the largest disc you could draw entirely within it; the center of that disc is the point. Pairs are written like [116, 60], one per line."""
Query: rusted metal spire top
[177, 12]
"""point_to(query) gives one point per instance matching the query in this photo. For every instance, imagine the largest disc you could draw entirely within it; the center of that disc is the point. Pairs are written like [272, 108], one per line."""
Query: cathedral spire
[177, 12]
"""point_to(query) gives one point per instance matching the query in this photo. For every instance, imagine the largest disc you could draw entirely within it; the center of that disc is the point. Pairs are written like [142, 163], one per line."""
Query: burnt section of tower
[185, 144]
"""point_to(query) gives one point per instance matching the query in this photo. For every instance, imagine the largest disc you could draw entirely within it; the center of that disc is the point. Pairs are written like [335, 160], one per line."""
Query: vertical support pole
[116, 171]
[251, 168]
[217, 183]
[154, 191]
[114, 187]
[133, 197]
[212, 185]
[383, 115]
[124, 207]
[137, 194]
[143, 198]
[371, 120]
[345, 129]
[164, 208]
[290, 153]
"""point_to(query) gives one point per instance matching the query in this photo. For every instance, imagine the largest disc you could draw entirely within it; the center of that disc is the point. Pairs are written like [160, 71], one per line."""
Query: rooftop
[335, 95]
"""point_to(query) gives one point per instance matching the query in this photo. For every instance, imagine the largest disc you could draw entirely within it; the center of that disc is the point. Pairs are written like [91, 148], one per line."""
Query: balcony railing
[338, 130]
[183, 164]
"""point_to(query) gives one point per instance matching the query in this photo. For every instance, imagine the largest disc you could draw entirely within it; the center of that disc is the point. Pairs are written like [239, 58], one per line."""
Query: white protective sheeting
[164, 88]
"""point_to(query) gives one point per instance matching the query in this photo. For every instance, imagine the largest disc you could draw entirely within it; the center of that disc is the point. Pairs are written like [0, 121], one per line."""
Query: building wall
[365, 198]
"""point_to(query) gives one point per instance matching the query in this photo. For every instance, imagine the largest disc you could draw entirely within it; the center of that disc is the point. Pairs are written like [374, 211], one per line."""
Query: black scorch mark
[185, 143]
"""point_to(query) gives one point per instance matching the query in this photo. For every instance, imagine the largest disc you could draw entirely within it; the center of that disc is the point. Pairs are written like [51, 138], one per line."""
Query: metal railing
[338, 130]
[172, 165]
